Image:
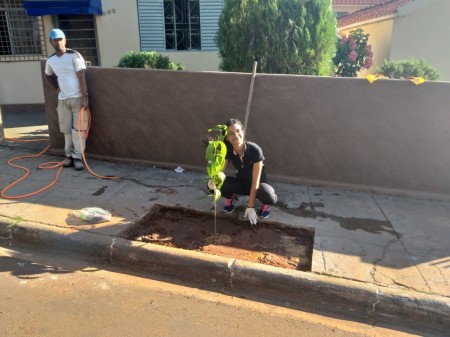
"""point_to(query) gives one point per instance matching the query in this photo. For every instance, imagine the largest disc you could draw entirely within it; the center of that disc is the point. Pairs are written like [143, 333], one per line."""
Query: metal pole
[250, 94]
[2, 134]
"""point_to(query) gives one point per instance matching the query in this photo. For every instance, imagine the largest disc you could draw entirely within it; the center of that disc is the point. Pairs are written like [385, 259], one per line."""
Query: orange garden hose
[86, 133]
[49, 165]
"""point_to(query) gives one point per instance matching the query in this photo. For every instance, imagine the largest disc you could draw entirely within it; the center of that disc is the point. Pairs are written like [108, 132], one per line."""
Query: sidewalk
[390, 253]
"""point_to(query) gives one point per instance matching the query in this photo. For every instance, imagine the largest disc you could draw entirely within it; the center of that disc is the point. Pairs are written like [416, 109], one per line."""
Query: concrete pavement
[388, 254]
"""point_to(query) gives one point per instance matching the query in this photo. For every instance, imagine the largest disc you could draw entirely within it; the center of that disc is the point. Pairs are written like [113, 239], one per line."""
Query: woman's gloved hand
[250, 213]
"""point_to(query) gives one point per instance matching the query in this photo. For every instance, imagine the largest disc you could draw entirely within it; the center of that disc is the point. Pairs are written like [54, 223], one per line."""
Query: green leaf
[210, 151]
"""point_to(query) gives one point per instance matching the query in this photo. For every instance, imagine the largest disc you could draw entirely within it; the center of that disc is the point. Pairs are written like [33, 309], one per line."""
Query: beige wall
[196, 60]
[20, 83]
[424, 34]
[389, 136]
[117, 30]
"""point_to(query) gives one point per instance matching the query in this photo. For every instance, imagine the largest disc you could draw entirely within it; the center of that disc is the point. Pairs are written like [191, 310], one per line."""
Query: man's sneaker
[78, 164]
[229, 205]
[264, 212]
[68, 162]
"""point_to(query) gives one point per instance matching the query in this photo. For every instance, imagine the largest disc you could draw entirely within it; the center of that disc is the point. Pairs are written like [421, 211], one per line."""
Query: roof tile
[358, 2]
[372, 12]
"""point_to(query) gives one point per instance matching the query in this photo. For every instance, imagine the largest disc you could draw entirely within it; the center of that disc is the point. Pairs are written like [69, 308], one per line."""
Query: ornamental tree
[283, 36]
[352, 53]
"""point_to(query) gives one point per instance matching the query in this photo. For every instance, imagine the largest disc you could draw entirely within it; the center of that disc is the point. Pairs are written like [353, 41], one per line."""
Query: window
[21, 36]
[171, 25]
[81, 35]
[182, 24]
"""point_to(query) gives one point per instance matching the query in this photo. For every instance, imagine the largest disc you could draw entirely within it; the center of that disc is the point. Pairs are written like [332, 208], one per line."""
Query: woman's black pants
[232, 185]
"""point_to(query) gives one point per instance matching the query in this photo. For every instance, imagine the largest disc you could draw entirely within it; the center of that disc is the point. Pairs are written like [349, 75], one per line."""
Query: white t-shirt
[65, 68]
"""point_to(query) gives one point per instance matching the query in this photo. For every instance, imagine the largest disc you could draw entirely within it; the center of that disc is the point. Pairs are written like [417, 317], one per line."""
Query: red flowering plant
[352, 53]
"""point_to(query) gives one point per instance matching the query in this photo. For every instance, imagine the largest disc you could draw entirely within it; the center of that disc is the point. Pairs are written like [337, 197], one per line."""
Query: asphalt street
[48, 294]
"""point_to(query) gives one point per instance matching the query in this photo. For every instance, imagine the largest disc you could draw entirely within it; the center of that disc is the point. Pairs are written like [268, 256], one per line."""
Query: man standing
[69, 68]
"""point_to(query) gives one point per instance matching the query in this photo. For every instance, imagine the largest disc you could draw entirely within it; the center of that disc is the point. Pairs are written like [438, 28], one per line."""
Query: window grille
[182, 24]
[22, 37]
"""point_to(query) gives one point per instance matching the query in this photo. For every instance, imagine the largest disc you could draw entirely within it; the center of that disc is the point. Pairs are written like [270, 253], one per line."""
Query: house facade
[103, 31]
[403, 29]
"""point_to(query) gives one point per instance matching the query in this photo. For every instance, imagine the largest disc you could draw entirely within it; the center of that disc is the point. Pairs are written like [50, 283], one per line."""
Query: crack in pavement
[405, 249]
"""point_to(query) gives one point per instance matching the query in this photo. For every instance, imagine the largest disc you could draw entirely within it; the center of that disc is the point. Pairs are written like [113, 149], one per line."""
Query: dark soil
[268, 243]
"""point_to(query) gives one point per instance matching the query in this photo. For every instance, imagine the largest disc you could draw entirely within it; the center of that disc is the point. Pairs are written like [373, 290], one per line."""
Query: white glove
[250, 213]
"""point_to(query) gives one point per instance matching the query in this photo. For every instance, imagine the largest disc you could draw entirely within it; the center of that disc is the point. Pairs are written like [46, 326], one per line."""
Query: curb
[288, 285]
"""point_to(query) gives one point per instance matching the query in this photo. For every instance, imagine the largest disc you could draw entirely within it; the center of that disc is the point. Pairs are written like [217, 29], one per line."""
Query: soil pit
[267, 243]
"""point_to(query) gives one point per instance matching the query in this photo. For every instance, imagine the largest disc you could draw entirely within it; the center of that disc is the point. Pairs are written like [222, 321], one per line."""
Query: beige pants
[68, 112]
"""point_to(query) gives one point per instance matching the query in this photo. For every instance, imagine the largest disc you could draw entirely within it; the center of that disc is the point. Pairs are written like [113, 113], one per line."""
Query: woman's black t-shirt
[244, 166]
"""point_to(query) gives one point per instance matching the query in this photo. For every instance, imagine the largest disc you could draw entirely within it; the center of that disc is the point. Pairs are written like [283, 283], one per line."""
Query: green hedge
[408, 68]
[148, 60]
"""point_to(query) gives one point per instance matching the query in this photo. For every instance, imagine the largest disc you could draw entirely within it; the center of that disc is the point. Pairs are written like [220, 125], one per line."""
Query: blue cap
[57, 34]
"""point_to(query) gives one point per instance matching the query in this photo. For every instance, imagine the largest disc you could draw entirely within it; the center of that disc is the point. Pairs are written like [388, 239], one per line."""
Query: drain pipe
[250, 94]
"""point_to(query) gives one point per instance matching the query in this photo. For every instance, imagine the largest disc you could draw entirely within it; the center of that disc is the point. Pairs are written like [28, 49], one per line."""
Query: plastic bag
[93, 214]
[179, 169]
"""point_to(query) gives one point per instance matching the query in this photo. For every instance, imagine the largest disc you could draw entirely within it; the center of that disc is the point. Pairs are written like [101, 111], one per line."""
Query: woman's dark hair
[233, 121]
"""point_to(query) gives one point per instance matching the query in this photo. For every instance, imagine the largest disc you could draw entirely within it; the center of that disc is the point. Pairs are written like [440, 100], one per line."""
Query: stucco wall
[388, 136]
[424, 34]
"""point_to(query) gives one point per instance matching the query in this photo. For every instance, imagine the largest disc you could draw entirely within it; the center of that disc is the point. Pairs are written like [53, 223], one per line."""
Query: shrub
[283, 36]
[408, 68]
[352, 53]
[148, 60]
